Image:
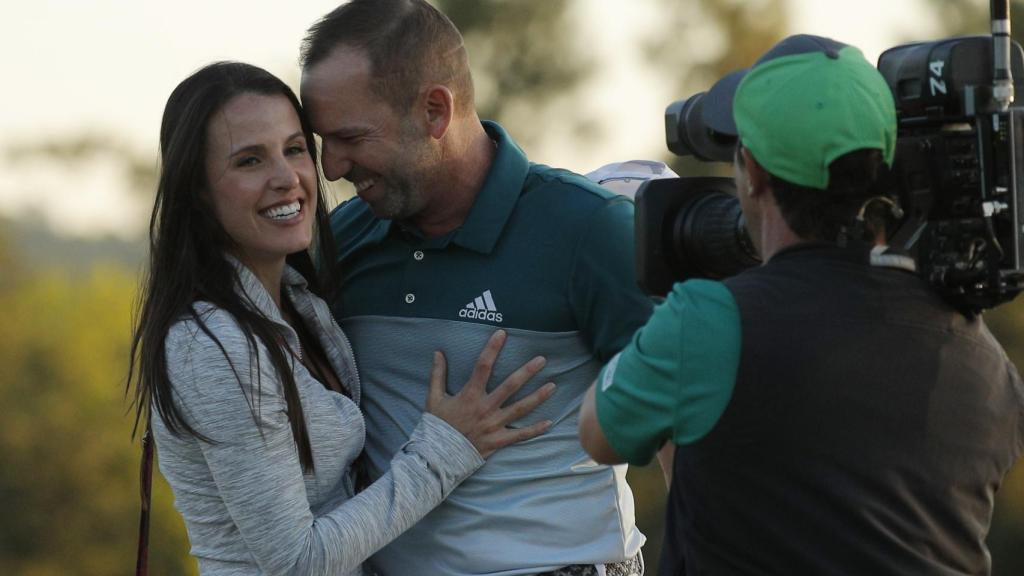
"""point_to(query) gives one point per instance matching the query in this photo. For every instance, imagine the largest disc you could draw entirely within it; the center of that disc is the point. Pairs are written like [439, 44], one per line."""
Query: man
[454, 234]
[832, 415]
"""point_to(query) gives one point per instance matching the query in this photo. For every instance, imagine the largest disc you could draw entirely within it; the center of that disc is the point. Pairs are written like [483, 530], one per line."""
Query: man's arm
[672, 382]
[667, 459]
[592, 436]
[596, 443]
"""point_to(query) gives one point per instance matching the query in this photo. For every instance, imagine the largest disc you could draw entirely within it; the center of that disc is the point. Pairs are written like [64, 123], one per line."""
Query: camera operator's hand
[479, 415]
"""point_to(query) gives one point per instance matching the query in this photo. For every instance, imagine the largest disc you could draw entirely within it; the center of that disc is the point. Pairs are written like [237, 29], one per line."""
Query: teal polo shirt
[546, 255]
[541, 249]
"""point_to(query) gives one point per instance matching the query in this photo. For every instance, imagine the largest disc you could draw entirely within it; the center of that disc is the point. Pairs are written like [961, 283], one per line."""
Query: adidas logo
[481, 308]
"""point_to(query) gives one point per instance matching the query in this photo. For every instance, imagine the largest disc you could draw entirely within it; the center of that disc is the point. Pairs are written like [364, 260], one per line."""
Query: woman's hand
[479, 416]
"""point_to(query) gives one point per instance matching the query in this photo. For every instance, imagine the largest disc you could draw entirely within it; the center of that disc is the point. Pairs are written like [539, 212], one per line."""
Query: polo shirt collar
[497, 198]
[493, 204]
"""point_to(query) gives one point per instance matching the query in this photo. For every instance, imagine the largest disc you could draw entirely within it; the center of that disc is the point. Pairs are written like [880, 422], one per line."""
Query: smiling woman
[250, 386]
[263, 187]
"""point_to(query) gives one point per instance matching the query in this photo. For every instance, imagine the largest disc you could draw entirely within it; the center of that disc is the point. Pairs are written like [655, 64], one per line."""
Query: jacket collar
[258, 298]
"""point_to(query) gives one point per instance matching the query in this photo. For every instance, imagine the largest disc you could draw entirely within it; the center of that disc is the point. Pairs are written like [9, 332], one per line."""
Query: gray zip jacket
[247, 504]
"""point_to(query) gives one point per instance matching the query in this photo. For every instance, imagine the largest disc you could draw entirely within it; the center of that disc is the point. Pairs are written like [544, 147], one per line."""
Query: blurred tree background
[69, 479]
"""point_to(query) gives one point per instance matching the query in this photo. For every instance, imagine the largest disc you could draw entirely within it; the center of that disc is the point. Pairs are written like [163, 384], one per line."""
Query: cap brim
[717, 111]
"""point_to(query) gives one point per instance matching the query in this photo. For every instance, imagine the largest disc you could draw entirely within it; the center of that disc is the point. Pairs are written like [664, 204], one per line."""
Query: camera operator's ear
[758, 179]
[439, 108]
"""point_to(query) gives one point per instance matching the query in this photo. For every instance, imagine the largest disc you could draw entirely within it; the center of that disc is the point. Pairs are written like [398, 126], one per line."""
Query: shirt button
[418, 254]
[410, 298]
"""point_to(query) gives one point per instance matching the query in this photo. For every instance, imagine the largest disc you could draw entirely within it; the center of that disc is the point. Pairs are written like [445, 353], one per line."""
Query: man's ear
[758, 179]
[440, 109]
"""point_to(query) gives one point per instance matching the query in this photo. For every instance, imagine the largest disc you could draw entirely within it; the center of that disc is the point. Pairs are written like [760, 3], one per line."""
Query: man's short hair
[409, 43]
[822, 214]
[815, 214]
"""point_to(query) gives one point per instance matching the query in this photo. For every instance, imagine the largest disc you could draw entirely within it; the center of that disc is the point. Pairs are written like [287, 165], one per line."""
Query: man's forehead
[341, 79]
[344, 64]
[339, 99]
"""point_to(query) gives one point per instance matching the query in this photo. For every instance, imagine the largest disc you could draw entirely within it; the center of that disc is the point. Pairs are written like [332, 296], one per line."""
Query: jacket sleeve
[234, 398]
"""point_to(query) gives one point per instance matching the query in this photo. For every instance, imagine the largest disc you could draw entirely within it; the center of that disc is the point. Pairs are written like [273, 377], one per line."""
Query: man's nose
[334, 162]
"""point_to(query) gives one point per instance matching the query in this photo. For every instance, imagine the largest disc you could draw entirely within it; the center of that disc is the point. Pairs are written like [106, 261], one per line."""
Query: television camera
[958, 176]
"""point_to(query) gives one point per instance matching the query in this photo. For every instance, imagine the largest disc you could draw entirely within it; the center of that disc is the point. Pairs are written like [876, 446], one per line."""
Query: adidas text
[480, 315]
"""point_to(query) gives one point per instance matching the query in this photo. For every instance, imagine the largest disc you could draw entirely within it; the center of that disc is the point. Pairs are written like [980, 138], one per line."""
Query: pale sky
[108, 66]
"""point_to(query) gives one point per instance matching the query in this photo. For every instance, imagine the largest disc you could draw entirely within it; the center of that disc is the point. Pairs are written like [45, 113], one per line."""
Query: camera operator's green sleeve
[675, 379]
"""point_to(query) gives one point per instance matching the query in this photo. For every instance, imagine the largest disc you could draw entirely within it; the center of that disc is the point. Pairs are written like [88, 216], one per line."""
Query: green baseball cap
[803, 104]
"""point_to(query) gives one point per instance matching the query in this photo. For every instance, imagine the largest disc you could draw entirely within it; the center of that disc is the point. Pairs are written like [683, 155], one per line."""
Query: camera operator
[831, 414]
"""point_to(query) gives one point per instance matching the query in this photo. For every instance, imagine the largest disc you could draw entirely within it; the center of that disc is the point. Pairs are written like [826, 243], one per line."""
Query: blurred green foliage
[523, 62]
[69, 479]
[700, 41]
[1006, 540]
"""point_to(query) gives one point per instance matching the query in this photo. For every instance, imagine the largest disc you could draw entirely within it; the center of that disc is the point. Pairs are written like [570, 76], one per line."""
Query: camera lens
[711, 235]
[687, 132]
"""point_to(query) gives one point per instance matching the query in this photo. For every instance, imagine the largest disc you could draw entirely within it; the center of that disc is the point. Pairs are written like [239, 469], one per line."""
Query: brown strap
[146, 485]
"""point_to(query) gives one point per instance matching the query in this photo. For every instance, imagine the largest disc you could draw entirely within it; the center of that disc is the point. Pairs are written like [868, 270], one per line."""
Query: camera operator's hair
[821, 214]
[408, 42]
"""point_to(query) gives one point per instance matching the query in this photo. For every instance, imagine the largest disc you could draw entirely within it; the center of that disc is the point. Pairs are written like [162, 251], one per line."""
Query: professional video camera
[958, 176]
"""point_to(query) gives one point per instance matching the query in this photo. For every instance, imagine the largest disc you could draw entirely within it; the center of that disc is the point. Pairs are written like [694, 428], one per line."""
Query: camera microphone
[1002, 89]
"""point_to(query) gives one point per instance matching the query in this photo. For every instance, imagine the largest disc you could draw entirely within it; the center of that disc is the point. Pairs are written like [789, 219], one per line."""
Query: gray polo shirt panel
[547, 256]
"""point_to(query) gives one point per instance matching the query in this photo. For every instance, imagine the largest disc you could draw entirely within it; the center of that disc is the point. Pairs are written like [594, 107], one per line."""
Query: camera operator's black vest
[869, 428]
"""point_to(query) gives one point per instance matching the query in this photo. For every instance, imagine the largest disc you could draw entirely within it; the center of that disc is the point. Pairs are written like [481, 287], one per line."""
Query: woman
[254, 386]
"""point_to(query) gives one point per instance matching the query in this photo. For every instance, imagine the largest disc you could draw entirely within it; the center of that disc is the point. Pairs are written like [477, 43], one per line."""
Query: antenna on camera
[1002, 89]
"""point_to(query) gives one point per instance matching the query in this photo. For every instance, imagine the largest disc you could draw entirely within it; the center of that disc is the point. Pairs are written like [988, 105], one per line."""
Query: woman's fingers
[485, 363]
[531, 431]
[523, 407]
[480, 416]
[515, 381]
[507, 436]
[438, 379]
